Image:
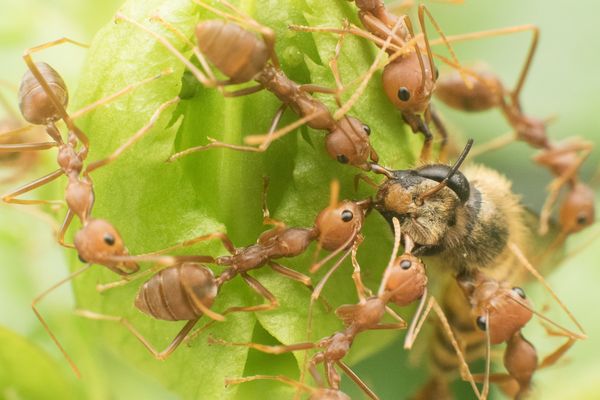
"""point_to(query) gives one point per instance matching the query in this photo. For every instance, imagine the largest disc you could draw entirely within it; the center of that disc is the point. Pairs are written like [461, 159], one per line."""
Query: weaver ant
[241, 56]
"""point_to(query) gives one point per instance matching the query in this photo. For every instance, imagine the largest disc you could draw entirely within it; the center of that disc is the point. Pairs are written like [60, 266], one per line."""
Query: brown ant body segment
[403, 282]
[163, 296]
[43, 97]
[408, 77]
[242, 56]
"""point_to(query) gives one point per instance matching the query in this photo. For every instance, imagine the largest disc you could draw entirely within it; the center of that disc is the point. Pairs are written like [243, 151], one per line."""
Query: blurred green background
[563, 81]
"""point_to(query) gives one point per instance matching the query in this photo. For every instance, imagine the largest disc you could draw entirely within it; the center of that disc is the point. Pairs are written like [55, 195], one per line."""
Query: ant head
[212, 34]
[486, 91]
[520, 359]
[407, 279]
[405, 84]
[349, 142]
[34, 103]
[337, 224]
[328, 394]
[577, 210]
[98, 242]
[508, 310]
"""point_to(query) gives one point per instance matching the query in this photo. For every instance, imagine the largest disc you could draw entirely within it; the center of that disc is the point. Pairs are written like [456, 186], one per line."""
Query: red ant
[242, 57]
[337, 228]
[403, 282]
[43, 97]
[408, 77]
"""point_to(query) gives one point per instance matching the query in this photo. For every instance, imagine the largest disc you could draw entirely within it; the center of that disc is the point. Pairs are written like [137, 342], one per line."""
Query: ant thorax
[469, 233]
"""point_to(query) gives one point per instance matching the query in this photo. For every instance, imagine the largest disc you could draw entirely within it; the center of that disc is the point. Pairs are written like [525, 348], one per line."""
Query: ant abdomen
[173, 293]
[245, 55]
[520, 359]
[486, 91]
[34, 103]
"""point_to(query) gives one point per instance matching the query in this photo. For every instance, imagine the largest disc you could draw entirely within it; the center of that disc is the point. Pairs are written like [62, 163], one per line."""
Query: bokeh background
[563, 82]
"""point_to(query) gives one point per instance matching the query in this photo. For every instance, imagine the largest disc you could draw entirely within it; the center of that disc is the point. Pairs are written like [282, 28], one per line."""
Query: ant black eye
[109, 239]
[582, 220]
[404, 94]
[343, 159]
[367, 130]
[81, 259]
[405, 264]
[347, 215]
[481, 323]
[519, 291]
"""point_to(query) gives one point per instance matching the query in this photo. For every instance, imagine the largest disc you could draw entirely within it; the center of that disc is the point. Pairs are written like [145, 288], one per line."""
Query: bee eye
[519, 291]
[582, 220]
[481, 323]
[343, 159]
[405, 264]
[404, 94]
[109, 239]
[367, 130]
[347, 215]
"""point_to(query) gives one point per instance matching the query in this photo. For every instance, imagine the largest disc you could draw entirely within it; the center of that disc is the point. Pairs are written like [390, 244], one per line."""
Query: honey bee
[472, 222]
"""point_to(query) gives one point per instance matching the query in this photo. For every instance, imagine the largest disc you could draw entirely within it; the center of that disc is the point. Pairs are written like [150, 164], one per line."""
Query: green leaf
[29, 373]
[154, 204]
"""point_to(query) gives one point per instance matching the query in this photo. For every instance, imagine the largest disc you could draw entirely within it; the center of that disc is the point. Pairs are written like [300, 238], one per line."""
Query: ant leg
[363, 386]
[159, 355]
[364, 81]
[40, 297]
[422, 12]
[494, 144]
[13, 148]
[110, 98]
[277, 349]
[187, 286]
[280, 378]
[352, 29]
[267, 220]
[441, 128]
[260, 289]
[361, 290]
[292, 274]
[101, 288]
[319, 288]
[388, 268]
[12, 196]
[63, 229]
[206, 78]
[523, 260]
[215, 143]
[133, 139]
[366, 179]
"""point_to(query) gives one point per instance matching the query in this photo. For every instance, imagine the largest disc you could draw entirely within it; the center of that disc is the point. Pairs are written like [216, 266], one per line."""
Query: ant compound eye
[347, 215]
[481, 323]
[404, 94]
[109, 239]
[81, 259]
[343, 159]
[405, 264]
[520, 292]
[581, 219]
[367, 130]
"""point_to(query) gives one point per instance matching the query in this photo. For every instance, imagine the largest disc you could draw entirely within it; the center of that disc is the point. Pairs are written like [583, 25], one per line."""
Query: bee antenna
[461, 158]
